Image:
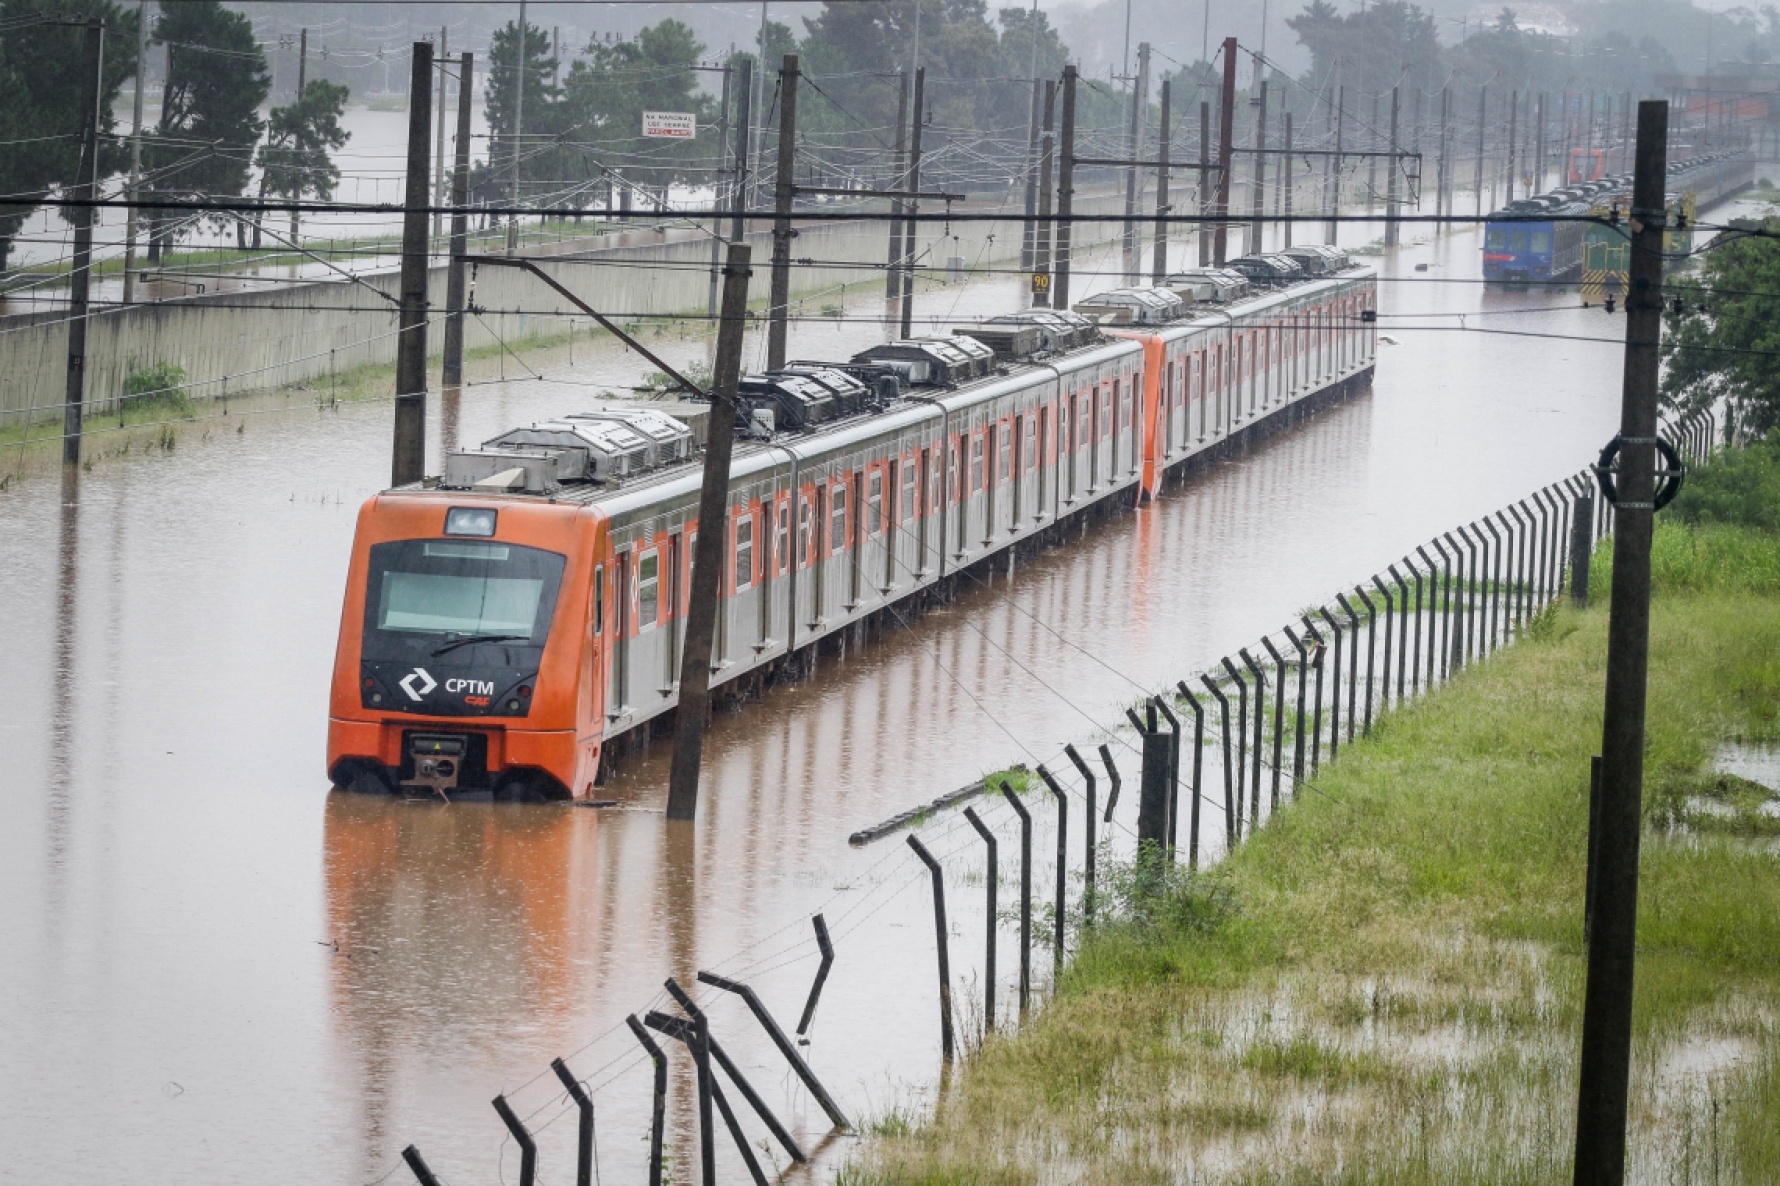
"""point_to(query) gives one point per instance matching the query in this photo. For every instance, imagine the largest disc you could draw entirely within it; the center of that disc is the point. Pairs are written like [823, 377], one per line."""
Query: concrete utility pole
[1539, 145]
[913, 205]
[518, 130]
[408, 462]
[80, 267]
[718, 189]
[1257, 199]
[900, 161]
[1226, 127]
[1285, 180]
[1482, 115]
[1041, 249]
[744, 114]
[302, 82]
[1393, 227]
[136, 151]
[1065, 194]
[453, 374]
[694, 711]
[1372, 158]
[1442, 196]
[1029, 233]
[1513, 113]
[439, 180]
[1607, 997]
[1159, 268]
[1205, 190]
[779, 299]
[1140, 99]
[1335, 164]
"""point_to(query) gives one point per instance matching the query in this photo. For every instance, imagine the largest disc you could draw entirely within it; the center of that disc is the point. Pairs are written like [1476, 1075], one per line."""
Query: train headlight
[478, 521]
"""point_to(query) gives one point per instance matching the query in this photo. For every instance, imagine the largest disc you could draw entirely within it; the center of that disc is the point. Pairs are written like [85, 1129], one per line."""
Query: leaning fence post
[696, 1036]
[1089, 839]
[583, 1134]
[1241, 738]
[700, 1048]
[1390, 613]
[1493, 603]
[1198, 758]
[412, 1156]
[528, 1148]
[1541, 552]
[1468, 611]
[1335, 679]
[1113, 780]
[945, 964]
[798, 1065]
[1025, 895]
[1224, 729]
[1254, 790]
[991, 878]
[1279, 716]
[1298, 739]
[1402, 629]
[1353, 665]
[1062, 866]
[659, 1108]
[1174, 739]
[826, 947]
[1371, 641]
[1581, 546]
[1316, 713]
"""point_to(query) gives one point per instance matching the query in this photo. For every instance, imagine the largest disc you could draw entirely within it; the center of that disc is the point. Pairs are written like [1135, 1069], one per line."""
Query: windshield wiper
[464, 642]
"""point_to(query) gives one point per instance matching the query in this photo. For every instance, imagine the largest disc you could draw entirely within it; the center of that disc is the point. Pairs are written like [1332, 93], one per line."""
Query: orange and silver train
[517, 620]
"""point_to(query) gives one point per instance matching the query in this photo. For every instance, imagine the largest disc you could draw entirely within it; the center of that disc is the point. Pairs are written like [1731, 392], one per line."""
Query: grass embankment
[1384, 984]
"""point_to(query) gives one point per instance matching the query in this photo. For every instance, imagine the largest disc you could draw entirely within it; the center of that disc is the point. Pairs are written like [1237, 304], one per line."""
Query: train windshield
[424, 593]
[1496, 239]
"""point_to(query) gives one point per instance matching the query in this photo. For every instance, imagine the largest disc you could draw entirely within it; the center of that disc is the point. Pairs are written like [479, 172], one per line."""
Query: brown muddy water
[216, 970]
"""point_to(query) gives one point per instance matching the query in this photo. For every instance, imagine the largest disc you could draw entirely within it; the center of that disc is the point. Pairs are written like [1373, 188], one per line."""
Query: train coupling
[438, 761]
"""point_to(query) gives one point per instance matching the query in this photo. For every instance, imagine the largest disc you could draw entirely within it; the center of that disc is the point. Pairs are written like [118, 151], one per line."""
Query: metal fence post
[1468, 607]
[1497, 634]
[1254, 790]
[528, 1148]
[1335, 680]
[1542, 552]
[826, 947]
[1089, 839]
[1229, 791]
[1581, 547]
[991, 878]
[416, 1163]
[1390, 611]
[583, 1133]
[1241, 739]
[1279, 718]
[1445, 587]
[1113, 781]
[659, 1108]
[1402, 630]
[945, 964]
[1318, 661]
[1152, 795]
[1353, 663]
[1025, 895]
[1062, 867]
[1298, 738]
[799, 1066]
[1371, 648]
[1198, 758]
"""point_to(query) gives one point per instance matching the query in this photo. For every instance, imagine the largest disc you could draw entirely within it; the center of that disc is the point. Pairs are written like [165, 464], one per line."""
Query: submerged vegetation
[1384, 984]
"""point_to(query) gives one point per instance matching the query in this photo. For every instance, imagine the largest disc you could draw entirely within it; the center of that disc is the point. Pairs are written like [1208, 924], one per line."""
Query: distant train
[1523, 244]
[512, 625]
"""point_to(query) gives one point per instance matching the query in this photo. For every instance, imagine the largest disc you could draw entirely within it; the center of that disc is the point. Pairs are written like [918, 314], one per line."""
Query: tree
[610, 87]
[1389, 43]
[539, 120]
[43, 88]
[203, 147]
[294, 161]
[1722, 342]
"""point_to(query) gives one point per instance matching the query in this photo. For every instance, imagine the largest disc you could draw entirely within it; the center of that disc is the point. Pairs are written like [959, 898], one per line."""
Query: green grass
[1383, 985]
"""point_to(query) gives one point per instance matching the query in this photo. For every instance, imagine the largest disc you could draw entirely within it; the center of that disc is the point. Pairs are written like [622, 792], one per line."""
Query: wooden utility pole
[694, 710]
[408, 461]
[1065, 194]
[1159, 268]
[453, 371]
[1607, 997]
[1226, 127]
[779, 299]
[80, 267]
[913, 206]
[719, 188]
[744, 121]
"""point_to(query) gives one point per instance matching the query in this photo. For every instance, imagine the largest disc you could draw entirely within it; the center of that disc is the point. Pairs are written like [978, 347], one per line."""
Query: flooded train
[512, 623]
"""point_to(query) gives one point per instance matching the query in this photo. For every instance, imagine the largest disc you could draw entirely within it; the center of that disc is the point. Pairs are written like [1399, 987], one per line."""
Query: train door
[924, 470]
[893, 515]
[838, 552]
[1042, 467]
[776, 566]
[807, 583]
[671, 583]
[741, 576]
[865, 526]
[622, 629]
[991, 442]
[1071, 431]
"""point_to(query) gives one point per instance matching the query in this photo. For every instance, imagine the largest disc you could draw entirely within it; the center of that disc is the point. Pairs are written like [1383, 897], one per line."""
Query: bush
[1737, 488]
[158, 386]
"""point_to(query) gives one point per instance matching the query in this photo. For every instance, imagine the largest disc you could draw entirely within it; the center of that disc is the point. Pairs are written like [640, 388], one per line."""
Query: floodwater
[215, 969]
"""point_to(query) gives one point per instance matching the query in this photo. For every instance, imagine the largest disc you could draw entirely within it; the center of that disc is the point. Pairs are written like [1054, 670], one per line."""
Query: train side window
[782, 536]
[936, 493]
[648, 590]
[976, 463]
[838, 535]
[910, 491]
[1541, 241]
[599, 600]
[874, 504]
[1004, 441]
[806, 532]
[1031, 445]
[744, 552]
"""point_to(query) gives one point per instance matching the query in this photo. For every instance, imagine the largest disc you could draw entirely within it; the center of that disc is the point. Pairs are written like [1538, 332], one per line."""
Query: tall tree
[610, 87]
[203, 147]
[1723, 333]
[295, 160]
[44, 85]
[540, 116]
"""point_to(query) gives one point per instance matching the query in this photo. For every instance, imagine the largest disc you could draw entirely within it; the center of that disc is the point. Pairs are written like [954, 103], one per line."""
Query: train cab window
[744, 551]
[910, 490]
[976, 463]
[837, 539]
[1517, 240]
[874, 503]
[648, 590]
[1541, 242]
[424, 594]
[1496, 239]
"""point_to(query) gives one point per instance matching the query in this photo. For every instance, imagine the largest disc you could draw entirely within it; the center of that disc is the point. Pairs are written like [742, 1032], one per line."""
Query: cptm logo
[427, 684]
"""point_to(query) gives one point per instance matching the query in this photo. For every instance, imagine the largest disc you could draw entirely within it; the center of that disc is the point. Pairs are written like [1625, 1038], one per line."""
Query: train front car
[466, 653]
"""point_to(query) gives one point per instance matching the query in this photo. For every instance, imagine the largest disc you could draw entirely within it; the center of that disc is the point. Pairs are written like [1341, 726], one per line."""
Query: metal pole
[1159, 264]
[1132, 242]
[1229, 790]
[439, 178]
[1025, 895]
[1062, 868]
[528, 1148]
[518, 130]
[1335, 163]
[1241, 738]
[1226, 127]
[1442, 180]
[1335, 688]
[1041, 256]
[136, 151]
[992, 878]
[1088, 838]
[779, 301]
[1258, 199]
[913, 206]
[940, 933]
[826, 947]
[799, 1067]
[1029, 229]
[1607, 999]
[1581, 545]
[453, 373]
[712, 545]
[1513, 114]
[659, 1107]
[1483, 93]
[1065, 194]
[1205, 187]
[1198, 767]
[584, 1133]
[422, 1172]
[743, 123]
[1371, 650]
[900, 162]
[718, 191]
[80, 267]
[1285, 186]
[408, 463]
[1392, 228]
